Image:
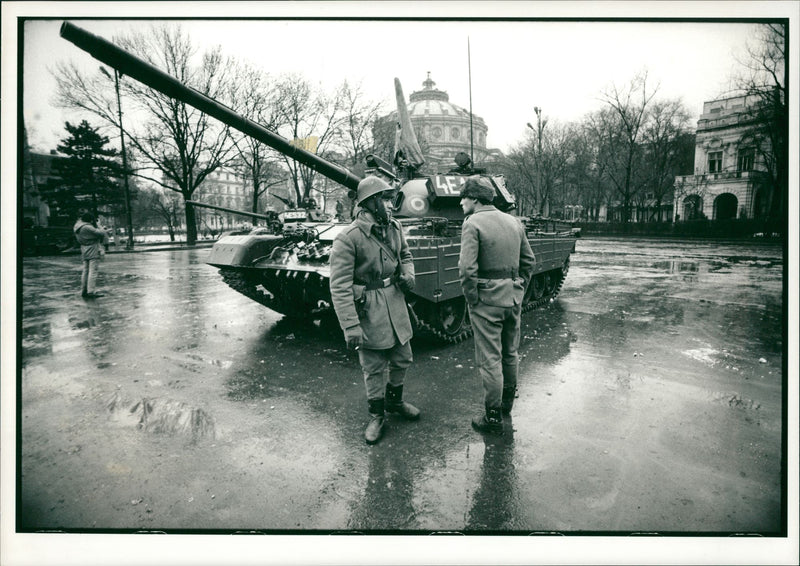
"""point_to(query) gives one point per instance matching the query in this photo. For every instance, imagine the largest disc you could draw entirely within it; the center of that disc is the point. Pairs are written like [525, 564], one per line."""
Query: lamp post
[128, 217]
[539, 127]
[545, 204]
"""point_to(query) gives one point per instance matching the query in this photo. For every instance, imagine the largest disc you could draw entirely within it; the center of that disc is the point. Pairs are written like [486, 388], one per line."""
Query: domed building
[443, 129]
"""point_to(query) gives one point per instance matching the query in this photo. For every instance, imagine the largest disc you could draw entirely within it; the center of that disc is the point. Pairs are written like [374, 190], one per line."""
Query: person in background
[93, 241]
[495, 265]
[371, 268]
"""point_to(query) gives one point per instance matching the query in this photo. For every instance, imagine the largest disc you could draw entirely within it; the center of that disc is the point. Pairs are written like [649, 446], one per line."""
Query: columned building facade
[730, 179]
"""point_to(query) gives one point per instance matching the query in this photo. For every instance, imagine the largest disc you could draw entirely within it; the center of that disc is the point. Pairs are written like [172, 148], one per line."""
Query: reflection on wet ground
[649, 399]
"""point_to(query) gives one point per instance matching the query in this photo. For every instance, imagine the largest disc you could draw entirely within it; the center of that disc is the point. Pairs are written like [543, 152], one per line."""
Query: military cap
[478, 188]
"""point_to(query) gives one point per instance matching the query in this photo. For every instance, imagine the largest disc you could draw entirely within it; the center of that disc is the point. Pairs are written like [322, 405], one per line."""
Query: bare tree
[157, 208]
[764, 82]
[253, 94]
[359, 120]
[555, 157]
[520, 170]
[312, 118]
[622, 126]
[540, 172]
[587, 171]
[182, 143]
[664, 138]
[383, 134]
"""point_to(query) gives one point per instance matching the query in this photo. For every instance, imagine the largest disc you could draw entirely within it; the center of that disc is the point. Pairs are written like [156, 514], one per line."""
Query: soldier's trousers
[496, 342]
[374, 364]
[89, 275]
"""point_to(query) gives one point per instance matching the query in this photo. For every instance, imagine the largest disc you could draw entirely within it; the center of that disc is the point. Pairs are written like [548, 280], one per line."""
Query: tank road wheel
[551, 282]
[445, 322]
[537, 286]
[534, 293]
[453, 319]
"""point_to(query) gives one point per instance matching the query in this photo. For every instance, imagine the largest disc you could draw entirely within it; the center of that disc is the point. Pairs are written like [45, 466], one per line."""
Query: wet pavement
[650, 401]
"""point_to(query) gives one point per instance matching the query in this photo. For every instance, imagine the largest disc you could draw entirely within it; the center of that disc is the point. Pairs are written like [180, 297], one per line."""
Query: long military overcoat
[91, 240]
[357, 258]
[493, 243]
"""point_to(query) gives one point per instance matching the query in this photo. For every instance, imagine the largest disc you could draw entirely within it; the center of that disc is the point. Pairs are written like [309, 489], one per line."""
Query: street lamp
[538, 130]
[128, 217]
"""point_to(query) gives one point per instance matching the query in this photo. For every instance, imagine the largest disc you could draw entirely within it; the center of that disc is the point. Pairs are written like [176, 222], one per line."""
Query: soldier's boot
[374, 430]
[509, 386]
[396, 405]
[491, 422]
[509, 393]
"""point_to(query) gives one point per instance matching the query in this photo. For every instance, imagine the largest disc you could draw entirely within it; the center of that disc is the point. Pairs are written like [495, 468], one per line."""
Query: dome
[444, 128]
[433, 103]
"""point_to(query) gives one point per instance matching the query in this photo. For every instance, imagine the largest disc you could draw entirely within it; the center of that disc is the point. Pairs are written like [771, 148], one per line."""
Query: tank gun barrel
[128, 64]
[229, 210]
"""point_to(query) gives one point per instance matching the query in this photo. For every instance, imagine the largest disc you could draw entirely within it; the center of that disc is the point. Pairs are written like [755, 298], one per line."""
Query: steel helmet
[370, 186]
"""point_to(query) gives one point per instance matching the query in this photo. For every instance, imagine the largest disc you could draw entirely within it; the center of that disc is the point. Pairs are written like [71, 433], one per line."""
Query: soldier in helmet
[371, 268]
[495, 265]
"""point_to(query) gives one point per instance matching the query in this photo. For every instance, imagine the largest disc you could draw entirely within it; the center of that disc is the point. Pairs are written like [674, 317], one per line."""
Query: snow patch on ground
[703, 355]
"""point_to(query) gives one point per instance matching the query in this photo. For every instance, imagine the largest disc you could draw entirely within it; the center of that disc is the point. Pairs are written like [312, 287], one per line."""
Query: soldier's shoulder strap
[348, 229]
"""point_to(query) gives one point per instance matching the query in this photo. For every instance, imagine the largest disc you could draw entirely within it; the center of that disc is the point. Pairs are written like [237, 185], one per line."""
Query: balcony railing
[717, 176]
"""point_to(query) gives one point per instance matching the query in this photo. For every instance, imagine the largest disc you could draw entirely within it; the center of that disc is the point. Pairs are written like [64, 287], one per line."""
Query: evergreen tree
[87, 178]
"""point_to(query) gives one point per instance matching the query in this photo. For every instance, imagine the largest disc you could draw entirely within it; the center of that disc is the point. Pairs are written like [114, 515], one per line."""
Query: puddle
[163, 416]
[677, 266]
[735, 400]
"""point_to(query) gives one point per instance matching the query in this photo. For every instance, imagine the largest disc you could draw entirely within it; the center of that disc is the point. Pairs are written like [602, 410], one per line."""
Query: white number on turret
[448, 185]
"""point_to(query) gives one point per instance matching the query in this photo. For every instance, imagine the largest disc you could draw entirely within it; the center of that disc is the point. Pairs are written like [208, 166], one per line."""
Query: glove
[405, 283]
[354, 337]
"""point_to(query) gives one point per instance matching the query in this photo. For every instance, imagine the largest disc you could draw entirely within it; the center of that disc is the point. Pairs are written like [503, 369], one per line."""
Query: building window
[692, 207]
[715, 162]
[437, 132]
[745, 159]
[454, 133]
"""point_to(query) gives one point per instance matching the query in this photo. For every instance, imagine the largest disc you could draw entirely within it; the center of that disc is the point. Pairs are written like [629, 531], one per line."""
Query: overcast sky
[515, 65]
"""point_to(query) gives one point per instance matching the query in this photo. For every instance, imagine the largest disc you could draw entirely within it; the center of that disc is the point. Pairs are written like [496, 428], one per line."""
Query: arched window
[692, 207]
[725, 206]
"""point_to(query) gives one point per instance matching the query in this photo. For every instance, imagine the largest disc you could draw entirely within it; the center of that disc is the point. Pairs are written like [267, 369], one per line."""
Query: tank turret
[288, 270]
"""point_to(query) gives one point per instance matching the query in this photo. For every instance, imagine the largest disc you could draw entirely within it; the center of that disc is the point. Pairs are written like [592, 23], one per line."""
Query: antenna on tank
[469, 73]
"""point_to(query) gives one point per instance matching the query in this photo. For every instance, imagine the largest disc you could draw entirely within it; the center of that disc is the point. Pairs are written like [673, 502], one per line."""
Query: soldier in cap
[371, 268]
[93, 241]
[495, 265]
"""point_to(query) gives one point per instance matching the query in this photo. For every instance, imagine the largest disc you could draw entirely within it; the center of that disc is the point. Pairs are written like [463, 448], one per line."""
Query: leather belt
[378, 283]
[506, 273]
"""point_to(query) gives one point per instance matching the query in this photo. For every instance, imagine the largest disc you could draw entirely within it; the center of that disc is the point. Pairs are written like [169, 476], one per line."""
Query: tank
[289, 271]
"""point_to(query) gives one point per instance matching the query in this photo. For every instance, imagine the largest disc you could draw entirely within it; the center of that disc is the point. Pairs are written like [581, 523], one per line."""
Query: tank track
[240, 282]
[430, 331]
[245, 285]
[547, 297]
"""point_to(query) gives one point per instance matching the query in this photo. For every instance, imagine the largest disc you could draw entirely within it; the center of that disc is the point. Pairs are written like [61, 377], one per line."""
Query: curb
[161, 248]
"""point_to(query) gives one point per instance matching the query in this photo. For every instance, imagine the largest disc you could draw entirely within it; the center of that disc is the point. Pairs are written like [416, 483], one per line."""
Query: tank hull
[290, 274]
